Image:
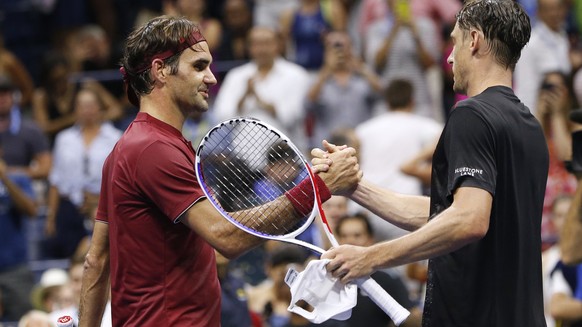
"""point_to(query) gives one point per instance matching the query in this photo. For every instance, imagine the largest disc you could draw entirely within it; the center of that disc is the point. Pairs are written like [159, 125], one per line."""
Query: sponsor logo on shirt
[464, 171]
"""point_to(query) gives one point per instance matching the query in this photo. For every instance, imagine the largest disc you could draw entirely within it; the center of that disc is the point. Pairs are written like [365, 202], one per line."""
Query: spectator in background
[16, 204]
[355, 17]
[95, 52]
[564, 282]
[399, 134]
[35, 318]
[237, 22]
[551, 257]
[303, 30]
[70, 294]
[53, 108]
[271, 298]
[267, 13]
[197, 125]
[356, 230]
[571, 235]
[566, 300]
[75, 180]
[45, 295]
[25, 147]
[547, 51]
[440, 12]
[234, 302]
[343, 93]
[195, 11]
[405, 46]
[12, 67]
[553, 106]
[269, 88]
[335, 208]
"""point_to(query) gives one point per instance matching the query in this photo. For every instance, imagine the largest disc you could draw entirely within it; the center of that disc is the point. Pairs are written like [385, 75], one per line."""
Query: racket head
[243, 163]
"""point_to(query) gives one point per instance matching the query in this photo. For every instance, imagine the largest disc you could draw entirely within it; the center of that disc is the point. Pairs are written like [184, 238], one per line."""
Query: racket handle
[393, 309]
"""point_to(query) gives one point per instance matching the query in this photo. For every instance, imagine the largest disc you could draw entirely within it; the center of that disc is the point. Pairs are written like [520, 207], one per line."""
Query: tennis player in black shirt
[481, 226]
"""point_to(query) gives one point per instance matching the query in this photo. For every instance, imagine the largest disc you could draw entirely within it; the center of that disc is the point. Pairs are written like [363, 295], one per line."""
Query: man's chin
[459, 90]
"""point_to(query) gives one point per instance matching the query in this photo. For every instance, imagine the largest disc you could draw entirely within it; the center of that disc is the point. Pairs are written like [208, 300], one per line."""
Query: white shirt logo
[463, 171]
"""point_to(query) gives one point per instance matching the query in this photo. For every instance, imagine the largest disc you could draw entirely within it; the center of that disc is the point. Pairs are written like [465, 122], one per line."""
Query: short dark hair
[157, 36]
[398, 94]
[286, 254]
[358, 216]
[504, 23]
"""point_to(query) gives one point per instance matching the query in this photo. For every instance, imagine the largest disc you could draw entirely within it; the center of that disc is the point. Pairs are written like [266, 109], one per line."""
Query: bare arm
[50, 227]
[564, 307]
[409, 212]
[464, 222]
[381, 57]
[20, 75]
[426, 60]
[22, 201]
[38, 169]
[40, 114]
[95, 289]
[571, 234]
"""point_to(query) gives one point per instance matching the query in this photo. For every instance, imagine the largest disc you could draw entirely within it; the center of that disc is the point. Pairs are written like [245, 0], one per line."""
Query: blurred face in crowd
[334, 209]
[560, 211]
[6, 102]
[190, 7]
[552, 13]
[353, 231]
[88, 108]
[237, 15]
[263, 46]
[338, 47]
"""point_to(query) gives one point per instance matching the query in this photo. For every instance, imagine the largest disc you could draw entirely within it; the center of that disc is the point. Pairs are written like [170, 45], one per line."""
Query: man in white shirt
[547, 51]
[269, 88]
[389, 140]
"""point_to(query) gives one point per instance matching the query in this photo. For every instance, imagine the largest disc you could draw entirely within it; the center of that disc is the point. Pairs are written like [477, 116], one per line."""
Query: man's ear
[158, 71]
[477, 40]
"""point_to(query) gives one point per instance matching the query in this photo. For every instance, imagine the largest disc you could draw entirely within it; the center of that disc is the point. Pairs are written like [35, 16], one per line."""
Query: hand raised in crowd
[552, 99]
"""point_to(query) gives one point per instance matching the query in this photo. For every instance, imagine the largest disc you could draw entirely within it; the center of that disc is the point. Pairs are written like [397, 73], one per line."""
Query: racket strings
[245, 167]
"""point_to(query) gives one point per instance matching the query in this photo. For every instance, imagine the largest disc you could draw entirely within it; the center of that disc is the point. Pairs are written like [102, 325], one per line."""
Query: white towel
[329, 298]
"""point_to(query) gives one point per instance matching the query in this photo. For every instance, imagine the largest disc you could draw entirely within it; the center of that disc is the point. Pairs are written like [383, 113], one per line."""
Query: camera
[548, 86]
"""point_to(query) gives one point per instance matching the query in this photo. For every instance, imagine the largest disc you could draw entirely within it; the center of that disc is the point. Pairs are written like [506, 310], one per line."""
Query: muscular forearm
[95, 289]
[94, 293]
[405, 211]
[449, 231]
[571, 235]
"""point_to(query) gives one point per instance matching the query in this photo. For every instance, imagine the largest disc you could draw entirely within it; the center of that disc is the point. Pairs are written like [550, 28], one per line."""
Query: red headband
[193, 38]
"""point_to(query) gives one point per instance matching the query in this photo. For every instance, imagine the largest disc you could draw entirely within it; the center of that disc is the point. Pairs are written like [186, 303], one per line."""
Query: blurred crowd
[372, 74]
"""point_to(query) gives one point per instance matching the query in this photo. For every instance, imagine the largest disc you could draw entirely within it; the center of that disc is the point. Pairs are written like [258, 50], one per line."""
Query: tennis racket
[244, 167]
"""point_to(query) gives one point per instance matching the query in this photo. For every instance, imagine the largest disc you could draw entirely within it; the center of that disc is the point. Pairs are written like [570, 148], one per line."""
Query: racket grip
[393, 309]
